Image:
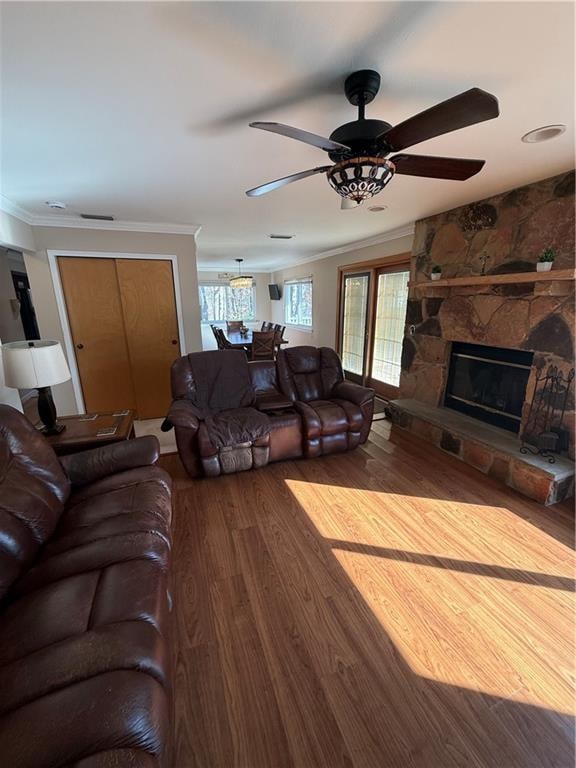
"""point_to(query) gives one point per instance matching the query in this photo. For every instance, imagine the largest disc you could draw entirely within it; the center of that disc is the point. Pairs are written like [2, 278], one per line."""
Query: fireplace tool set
[544, 433]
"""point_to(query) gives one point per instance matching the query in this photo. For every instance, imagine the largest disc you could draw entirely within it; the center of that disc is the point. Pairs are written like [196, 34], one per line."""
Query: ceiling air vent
[96, 217]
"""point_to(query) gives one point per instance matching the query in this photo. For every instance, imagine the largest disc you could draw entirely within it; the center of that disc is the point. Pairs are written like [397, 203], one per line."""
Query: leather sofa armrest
[347, 390]
[310, 420]
[181, 414]
[88, 466]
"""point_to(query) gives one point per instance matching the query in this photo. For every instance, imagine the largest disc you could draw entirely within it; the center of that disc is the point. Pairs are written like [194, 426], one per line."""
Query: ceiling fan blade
[456, 168]
[348, 205]
[296, 133]
[272, 185]
[468, 108]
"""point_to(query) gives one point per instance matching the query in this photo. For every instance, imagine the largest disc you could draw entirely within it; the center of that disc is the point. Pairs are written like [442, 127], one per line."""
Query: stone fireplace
[488, 383]
[477, 338]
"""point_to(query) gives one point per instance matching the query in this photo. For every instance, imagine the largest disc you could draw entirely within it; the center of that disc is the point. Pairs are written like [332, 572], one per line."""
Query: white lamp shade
[34, 364]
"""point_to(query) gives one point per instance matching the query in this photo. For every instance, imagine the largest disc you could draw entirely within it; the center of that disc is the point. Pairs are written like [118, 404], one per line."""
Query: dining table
[245, 342]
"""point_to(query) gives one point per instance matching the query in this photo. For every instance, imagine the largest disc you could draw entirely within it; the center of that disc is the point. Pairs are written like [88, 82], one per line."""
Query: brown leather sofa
[310, 410]
[84, 554]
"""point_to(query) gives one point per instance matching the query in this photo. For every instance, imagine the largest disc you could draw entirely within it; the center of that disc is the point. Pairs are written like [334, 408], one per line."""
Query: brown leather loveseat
[84, 554]
[305, 408]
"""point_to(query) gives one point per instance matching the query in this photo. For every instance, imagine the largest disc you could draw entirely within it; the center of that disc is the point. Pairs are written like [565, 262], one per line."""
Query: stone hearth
[490, 449]
[491, 294]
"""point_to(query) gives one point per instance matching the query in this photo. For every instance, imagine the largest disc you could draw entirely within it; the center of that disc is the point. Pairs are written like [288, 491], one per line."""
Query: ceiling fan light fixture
[360, 178]
[240, 280]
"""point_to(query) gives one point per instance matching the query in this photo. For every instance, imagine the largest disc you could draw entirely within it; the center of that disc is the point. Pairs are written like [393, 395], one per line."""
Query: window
[220, 302]
[298, 302]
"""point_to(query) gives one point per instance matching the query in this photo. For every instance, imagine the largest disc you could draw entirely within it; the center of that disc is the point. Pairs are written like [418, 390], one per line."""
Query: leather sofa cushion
[83, 636]
[107, 711]
[263, 376]
[308, 373]
[28, 519]
[333, 419]
[131, 522]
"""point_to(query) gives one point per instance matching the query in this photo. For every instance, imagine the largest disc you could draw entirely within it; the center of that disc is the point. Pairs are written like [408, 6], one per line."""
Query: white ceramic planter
[435, 275]
[544, 266]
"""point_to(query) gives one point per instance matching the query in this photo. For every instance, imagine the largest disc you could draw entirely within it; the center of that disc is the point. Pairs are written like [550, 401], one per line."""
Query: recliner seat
[336, 414]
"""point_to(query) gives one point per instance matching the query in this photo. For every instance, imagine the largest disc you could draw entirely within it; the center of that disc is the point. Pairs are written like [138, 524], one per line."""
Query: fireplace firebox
[488, 383]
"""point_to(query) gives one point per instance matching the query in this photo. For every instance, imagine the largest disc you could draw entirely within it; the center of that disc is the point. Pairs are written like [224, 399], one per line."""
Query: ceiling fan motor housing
[364, 137]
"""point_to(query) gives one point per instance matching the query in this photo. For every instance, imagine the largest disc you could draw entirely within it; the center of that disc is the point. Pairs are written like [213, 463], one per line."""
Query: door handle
[174, 341]
[79, 346]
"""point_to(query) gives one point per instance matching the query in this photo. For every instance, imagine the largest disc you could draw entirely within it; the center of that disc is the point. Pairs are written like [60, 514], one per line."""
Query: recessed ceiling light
[545, 133]
[377, 208]
[281, 237]
[55, 204]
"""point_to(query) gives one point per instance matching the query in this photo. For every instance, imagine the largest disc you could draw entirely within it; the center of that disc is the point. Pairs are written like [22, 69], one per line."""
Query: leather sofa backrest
[263, 376]
[33, 489]
[308, 373]
[213, 381]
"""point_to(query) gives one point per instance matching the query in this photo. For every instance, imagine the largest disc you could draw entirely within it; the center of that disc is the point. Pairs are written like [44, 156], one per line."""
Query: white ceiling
[120, 108]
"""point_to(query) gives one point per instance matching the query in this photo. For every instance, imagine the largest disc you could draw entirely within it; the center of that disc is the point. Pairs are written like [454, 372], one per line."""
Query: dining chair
[234, 325]
[264, 324]
[221, 339]
[263, 345]
[214, 329]
[269, 327]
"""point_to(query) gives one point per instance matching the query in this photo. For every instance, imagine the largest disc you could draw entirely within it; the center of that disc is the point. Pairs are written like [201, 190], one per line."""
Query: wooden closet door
[95, 315]
[149, 308]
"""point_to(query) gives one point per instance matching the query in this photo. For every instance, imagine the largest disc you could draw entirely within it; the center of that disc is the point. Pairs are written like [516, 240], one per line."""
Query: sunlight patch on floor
[479, 533]
[435, 619]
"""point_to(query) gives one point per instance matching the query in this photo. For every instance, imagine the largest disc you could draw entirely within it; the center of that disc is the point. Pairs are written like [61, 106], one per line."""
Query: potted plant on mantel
[436, 272]
[545, 260]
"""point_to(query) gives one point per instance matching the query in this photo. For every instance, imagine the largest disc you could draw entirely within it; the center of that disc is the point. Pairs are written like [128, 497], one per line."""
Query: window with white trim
[219, 302]
[298, 302]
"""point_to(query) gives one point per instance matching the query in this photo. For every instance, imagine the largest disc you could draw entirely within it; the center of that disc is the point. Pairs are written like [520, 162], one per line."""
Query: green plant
[548, 254]
[436, 268]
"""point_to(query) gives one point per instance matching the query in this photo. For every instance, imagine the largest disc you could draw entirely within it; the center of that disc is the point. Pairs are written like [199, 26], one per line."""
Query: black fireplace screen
[488, 383]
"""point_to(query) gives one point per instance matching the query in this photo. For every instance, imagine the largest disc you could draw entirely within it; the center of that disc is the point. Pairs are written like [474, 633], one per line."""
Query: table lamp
[37, 365]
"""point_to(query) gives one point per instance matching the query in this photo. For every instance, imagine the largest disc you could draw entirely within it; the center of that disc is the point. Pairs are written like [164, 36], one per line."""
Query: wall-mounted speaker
[274, 291]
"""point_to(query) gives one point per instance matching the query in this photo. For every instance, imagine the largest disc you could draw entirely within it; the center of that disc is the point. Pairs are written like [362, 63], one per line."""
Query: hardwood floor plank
[386, 608]
[258, 733]
[311, 729]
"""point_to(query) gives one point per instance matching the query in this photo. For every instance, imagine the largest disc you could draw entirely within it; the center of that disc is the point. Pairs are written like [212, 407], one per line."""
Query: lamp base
[55, 430]
[47, 412]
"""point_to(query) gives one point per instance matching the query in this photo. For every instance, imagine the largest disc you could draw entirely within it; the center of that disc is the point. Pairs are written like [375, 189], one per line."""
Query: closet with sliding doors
[124, 327]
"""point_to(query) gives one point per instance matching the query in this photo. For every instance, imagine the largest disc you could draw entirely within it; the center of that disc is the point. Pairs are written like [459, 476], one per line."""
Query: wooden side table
[90, 430]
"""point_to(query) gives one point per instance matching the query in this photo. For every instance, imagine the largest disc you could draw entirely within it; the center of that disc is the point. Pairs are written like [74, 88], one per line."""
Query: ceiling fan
[359, 149]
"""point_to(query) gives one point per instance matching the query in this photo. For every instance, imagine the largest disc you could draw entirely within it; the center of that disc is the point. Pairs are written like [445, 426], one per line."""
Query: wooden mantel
[517, 277]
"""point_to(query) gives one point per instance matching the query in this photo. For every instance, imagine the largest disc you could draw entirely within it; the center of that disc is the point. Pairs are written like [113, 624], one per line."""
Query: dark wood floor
[385, 608]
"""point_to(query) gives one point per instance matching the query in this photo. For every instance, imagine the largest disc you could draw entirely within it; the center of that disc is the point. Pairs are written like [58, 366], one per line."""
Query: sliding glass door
[371, 323]
[390, 317]
[354, 324]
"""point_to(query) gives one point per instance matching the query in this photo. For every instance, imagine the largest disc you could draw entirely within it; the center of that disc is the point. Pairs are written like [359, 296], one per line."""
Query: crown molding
[75, 222]
[154, 227]
[231, 270]
[15, 210]
[384, 237]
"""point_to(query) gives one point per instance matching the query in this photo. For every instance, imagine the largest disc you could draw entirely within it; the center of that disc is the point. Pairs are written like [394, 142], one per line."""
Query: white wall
[324, 274]
[71, 239]
[15, 233]
[263, 309]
